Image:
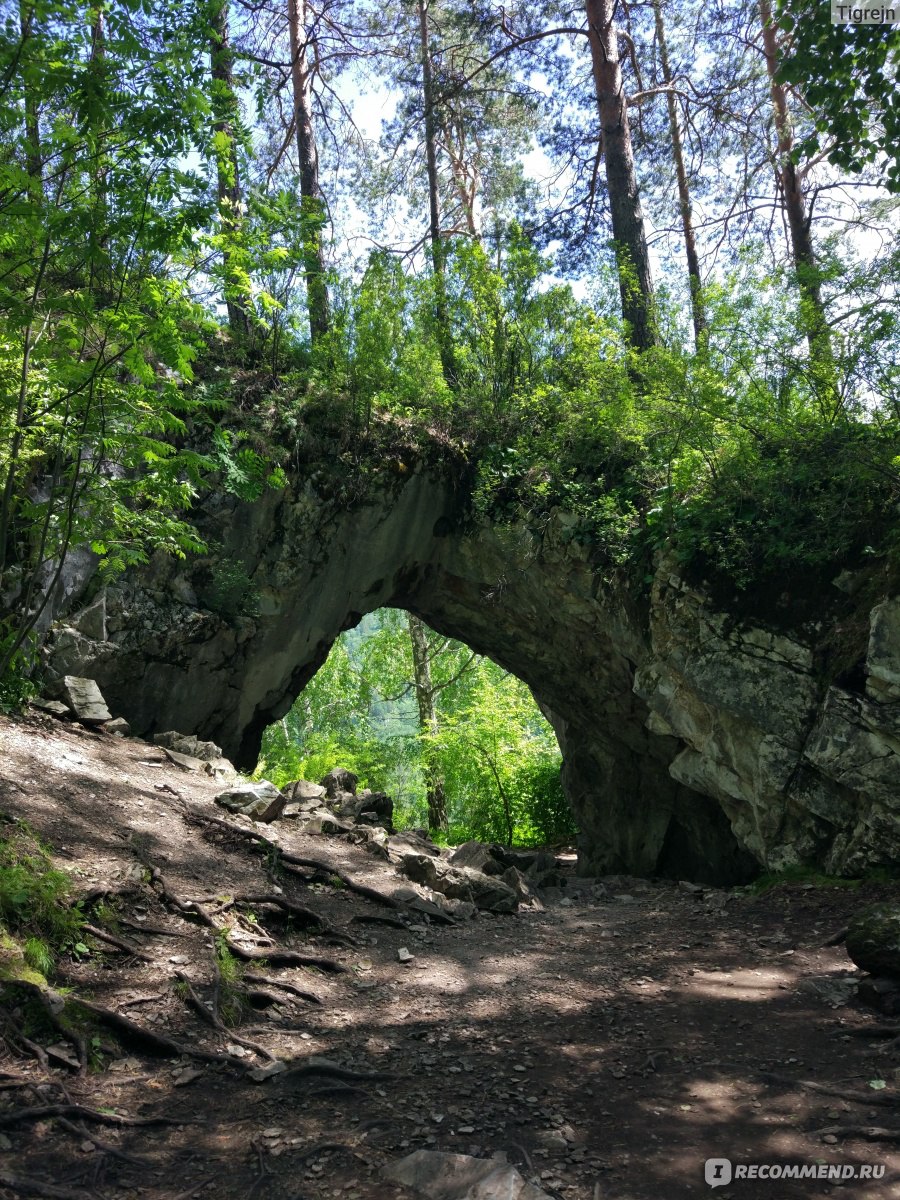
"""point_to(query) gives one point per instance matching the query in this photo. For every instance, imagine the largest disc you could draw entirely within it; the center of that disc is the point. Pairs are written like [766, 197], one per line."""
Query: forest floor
[607, 1045]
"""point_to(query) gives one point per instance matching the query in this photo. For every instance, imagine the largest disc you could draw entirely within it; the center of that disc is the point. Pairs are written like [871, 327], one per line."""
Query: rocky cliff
[695, 744]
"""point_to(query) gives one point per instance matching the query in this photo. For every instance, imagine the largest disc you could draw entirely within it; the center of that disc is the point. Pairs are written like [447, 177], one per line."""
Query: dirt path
[607, 1045]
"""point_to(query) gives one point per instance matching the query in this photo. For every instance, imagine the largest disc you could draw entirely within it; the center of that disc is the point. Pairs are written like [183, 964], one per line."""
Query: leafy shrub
[799, 501]
[34, 906]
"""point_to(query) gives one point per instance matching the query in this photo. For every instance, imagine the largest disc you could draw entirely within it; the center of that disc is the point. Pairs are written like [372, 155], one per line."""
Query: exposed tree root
[287, 857]
[310, 997]
[870, 1098]
[142, 1000]
[271, 955]
[104, 1147]
[189, 908]
[836, 939]
[378, 919]
[25, 1185]
[323, 1148]
[887, 1048]
[263, 997]
[217, 1023]
[299, 912]
[871, 1133]
[150, 1038]
[34, 1048]
[316, 1067]
[325, 868]
[192, 1191]
[285, 958]
[119, 943]
[103, 890]
[156, 930]
[40, 1112]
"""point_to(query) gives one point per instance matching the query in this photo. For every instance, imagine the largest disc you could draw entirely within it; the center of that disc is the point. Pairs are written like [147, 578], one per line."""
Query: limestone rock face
[696, 745]
[804, 771]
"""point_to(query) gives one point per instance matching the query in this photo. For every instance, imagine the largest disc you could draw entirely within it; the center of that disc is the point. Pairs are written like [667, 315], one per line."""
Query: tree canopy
[637, 262]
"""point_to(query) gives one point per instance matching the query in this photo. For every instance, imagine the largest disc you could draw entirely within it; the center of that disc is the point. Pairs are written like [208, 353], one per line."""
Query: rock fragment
[439, 1176]
[261, 801]
[85, 699]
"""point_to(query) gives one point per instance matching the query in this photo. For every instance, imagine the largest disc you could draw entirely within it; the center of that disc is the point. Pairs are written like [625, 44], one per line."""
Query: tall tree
[312, 214]
[684, 192]
[435, 237]
[632, 256]
[226, 118]
[799, 220]
[426, 692]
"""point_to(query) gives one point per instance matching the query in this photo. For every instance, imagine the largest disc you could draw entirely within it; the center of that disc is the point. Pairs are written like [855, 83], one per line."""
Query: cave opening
[456, 740]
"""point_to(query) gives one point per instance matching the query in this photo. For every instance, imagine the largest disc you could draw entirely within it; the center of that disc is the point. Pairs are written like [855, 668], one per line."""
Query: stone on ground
[56, 708]
[85, 699]
[339, 780]
[188, 744]
[477, 856]
[262, 800]
[439, 1176]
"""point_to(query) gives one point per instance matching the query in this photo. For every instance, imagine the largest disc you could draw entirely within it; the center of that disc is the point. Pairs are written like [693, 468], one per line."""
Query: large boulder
[873, 940]
[354, 807]
[409, 842]
[339, 780]
[486, 892]
[85, 699]
[304, 793]
[476, 855]
[261, 801]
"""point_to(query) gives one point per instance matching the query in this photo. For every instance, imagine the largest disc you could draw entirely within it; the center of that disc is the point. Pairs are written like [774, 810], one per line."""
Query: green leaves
[849, 75]
[498, 756]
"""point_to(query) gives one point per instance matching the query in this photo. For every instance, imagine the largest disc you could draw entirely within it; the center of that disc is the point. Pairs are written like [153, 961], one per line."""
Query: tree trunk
[33, 163]
[428, 723]
[312, 205]
[225, 110]
[434, 210]
[465, 175]
[798, 220]
[684, 195]
[632, 258]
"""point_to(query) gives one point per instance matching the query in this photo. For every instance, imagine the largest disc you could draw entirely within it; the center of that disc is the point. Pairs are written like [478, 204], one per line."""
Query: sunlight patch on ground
[748, 984]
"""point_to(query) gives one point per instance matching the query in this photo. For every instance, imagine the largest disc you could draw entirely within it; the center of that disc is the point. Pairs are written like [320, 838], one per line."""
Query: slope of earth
[607, 1045]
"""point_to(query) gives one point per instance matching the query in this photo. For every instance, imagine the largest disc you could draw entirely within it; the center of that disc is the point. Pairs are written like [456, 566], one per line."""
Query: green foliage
[496, 753]
[801, 501]
[849, 75]
[230, 972]
[809, 877]
[17, 683]
[230, 591]
[34, 907]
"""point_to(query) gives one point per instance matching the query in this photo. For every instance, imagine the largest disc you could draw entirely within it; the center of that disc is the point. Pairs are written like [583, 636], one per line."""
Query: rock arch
[670, 759]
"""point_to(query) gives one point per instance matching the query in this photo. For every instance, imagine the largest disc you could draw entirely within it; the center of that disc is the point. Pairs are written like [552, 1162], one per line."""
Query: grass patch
[37, 919]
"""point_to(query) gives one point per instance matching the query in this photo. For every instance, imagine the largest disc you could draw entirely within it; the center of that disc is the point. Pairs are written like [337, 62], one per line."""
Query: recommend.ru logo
[719, 1171]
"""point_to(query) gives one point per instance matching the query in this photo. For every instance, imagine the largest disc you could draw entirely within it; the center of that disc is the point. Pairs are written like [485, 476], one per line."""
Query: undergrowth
[811, 877]
[36, 917]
